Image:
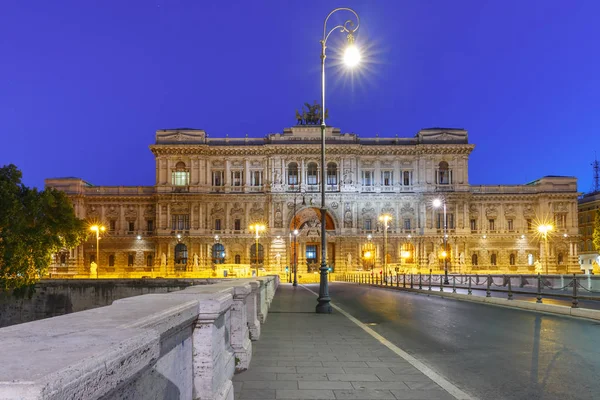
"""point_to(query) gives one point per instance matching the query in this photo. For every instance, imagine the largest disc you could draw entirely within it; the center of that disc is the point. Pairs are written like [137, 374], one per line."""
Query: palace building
[209, 191]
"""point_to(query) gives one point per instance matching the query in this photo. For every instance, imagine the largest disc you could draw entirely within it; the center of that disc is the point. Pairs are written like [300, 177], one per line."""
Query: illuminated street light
[352, 58]
[97, 229]
[436, 204]
[544, 230]
[257, 228]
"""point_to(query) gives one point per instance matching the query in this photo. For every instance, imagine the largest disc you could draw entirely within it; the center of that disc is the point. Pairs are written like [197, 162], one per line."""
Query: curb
[519, 304]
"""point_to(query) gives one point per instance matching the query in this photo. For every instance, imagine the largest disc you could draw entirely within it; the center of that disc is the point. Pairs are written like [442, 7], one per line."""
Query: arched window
[218, 253]
[443, 173]
[130, 260]
[332, 174]
[311, 173]
[63, 259]
[511, 259]
[180, 175]
[493, 259]
[111, 260]
[149, 260]
[559, 258]
[238, 259]
[181, 254]
[292, 173]
[474, 259]
[253, 254]
[581, 244]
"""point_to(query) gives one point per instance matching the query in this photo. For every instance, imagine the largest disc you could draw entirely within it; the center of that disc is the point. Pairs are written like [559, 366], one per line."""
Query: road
[490, 352]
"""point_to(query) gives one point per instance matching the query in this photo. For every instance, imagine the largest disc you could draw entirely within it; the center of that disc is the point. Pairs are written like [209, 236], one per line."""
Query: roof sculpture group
[312, 114]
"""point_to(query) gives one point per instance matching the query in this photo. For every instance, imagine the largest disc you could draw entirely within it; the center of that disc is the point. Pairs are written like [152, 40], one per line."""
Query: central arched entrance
[308, 244]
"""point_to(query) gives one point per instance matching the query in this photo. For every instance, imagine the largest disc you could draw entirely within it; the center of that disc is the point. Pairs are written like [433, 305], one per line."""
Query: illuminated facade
[588, 204]
[209, 191]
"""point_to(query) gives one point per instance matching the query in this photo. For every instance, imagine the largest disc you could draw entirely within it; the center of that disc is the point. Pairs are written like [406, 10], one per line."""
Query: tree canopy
[33, 225]
[596, 234]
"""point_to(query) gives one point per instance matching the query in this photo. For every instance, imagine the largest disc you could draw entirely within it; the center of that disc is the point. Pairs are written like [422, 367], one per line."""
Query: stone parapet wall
[185, 344]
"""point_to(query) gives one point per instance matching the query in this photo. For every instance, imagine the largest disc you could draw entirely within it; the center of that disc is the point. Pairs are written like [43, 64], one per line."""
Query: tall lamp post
[545, 229]
[257, 228]
[351, 58]
[97, 229]
[437, 203]
[295, 239]
[385, 218]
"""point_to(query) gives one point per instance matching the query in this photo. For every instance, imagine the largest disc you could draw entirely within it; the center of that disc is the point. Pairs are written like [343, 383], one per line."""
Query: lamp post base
[324, 306]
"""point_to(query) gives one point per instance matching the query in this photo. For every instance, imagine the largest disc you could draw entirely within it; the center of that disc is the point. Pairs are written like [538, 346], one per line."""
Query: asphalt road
[490, 352]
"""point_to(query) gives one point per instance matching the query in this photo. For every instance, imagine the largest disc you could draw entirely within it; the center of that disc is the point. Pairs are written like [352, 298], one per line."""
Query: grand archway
[310, 217]
[308, 245]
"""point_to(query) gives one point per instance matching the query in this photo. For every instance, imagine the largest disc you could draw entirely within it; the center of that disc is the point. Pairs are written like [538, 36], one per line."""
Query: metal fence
[575, 287]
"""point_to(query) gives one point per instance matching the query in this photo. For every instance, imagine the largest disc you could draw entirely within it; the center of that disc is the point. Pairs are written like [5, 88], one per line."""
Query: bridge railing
[574, 287]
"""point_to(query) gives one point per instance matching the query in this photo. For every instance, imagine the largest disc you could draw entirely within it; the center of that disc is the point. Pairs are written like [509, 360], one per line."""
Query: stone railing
[179, 345]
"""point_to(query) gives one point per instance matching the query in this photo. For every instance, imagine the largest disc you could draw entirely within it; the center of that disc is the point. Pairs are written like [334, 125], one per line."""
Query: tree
[596, 234]
[33, 225]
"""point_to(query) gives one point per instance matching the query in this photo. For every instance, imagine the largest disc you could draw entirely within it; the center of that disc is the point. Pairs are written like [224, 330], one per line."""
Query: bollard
[489, 282]
[510, 294]
[453, 283]
[411, 281]
[539, 289]
[430, 280]
[575, 301]
[404, 280]
[469, 290]
[441, 283]
[420, 281]
[397, 279]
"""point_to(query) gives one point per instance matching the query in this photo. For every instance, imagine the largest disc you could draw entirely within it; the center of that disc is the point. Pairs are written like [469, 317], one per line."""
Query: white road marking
[434, 376]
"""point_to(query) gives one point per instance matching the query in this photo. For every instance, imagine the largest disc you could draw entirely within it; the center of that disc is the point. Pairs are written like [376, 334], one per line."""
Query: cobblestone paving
[304, 355]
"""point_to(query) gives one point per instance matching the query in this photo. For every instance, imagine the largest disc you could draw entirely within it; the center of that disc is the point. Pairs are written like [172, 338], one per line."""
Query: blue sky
[85, 84]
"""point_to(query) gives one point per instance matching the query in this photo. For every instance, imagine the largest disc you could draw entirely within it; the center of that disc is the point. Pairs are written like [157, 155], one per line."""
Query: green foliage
[596, 234]
[33, 225]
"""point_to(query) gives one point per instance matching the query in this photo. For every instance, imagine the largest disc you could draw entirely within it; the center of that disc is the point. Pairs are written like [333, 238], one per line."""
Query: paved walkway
[304, 355]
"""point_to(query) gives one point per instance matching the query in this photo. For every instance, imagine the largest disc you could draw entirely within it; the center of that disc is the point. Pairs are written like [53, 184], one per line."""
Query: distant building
[209, 191]
[588, 204]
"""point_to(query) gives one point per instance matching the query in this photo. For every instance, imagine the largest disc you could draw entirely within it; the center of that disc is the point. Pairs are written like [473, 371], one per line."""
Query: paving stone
[256, 394]
[405, 370]
[345, 364]
[370, 371]
[276, 369]
[255, 376]
[364, 394]
[324, 385]
[380, 385]
[422, 395]
[320, 370]
[269, 385]
[427, 385]
[298, 363]
[302, 377]
[353, 377]
[389, 364]
[305, 394]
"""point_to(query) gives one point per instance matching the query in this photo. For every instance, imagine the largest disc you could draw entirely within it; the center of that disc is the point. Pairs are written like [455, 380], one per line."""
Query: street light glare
[437, 203]
[351, 56]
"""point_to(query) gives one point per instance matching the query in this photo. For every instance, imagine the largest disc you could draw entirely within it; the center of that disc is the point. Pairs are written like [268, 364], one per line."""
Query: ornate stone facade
[588, 204]
[208, 191]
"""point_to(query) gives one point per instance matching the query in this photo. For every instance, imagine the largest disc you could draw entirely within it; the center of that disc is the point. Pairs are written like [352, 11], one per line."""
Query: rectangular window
[256, 178]
[131, 226]
[130, 260]
[367, 178]
[387, 178]
[492, 224]
[150, 225]
[368, 224]
[237, 224]
[112, 225]
[407, 223]
[217, 224]
[561, 221]
[311, 252]
[529, 225]
[510, 225]
[406, 178]
[217, 178]
[92, 258]
[473, 225]
[180, 178]
[449, 221]
[236, 178]
[180, 222]
[111, 260]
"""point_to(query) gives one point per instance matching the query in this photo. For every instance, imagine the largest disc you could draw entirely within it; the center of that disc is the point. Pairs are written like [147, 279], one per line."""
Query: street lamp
[351, 58]
[257, 228]
[97, 229]
[436, 204]
[295, 238]
[545, 229]
[385, 218]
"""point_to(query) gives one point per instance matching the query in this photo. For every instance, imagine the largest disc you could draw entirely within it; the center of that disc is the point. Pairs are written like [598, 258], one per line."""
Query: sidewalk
[304, 355]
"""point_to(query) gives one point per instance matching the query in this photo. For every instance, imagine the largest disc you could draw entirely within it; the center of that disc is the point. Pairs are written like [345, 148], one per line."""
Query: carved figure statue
[298, 118]
[312, 114]
[195, 260]
[278, 259]
[163, 260]
[461, 258]
[538, 267]
[431, 259]
[277, 177]
[93, 270]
